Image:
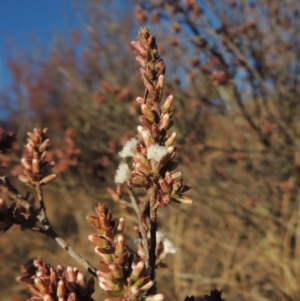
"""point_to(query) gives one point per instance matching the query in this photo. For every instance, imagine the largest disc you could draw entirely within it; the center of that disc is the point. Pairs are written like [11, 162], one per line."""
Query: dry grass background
[230, 238]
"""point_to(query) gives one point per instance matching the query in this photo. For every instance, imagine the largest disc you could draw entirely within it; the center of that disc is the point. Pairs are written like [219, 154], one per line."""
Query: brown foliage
[235, 78]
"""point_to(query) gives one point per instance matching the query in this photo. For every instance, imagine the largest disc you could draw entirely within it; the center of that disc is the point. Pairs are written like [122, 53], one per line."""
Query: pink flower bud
[155, 167]
[147, 137]
[137, 270]
[109, 285]
[113, 195]
[176, 186]
[26, 163]
[147, 286]
[40, 284]
[139, 180]
[107, 258]
[140, 158]
[167, 105]
[176, 175]
[98, 241]
[142, 169]
[171, 139]
[35, 166]
[44, 145]
[182, 199]
[61, 289]
[164, 186]
[70, 275]
[117, 271]
[139, 48]
[121, 224]
[140, 100]
[48, 179]
[168, 177]
[164, 121]
[81, 280]
[135, 291]
[119, 245]
[161, 80]
[170, 149]
[148, 112]
[43, 155]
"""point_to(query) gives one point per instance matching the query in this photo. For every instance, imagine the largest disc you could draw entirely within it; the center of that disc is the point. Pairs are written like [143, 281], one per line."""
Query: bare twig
[46, 228]
[153, 229]
[49, 231]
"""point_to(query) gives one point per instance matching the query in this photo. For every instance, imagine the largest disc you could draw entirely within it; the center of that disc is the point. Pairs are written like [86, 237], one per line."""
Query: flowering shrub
[126, 271]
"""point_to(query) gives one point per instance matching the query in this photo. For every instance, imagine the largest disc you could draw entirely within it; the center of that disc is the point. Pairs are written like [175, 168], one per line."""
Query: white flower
[169, 247]
[161, 238]
[129, 149]
[123, 173]
[156, 152]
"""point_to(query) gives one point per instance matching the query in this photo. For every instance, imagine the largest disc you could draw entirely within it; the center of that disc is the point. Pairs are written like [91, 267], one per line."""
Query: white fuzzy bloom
[123, 173]
[161, 238]
[129, 149]
[169, 247]
[156, 152]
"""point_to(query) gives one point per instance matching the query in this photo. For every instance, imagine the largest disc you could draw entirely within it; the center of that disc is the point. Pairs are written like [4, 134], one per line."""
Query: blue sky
[21, 21]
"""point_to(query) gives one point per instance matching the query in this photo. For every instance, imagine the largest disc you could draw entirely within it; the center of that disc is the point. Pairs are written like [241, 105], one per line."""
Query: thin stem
[124, 203]
[153, 229]
[49, 231]
[46, 228]
[141, 225]
[67, 247]
[39, 193]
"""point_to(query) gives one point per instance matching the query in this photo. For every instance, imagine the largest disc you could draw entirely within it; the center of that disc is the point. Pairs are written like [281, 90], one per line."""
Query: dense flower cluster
[153, 152]
[121, 275]
[126, 272]
[36, 166]
[61, 284]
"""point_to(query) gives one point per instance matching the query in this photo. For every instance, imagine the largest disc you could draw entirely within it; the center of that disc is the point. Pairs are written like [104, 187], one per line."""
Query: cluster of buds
[152, 66]
[36, 166]
[153, 151]
[61, 284]
[120, 275]
[16, 214]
